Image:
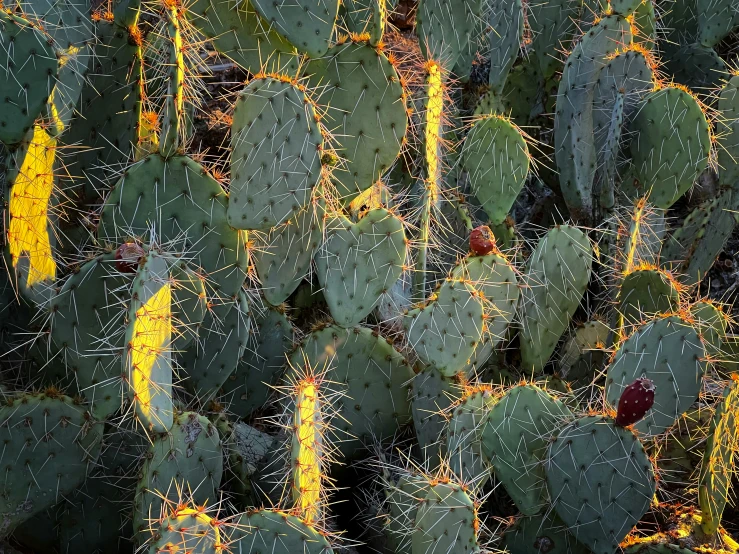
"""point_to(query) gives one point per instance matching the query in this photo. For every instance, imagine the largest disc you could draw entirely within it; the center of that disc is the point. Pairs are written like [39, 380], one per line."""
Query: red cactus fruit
[635, 402]
[482, 240]
[127, 257]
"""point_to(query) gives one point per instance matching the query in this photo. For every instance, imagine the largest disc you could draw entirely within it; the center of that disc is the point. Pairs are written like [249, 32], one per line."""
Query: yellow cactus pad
[306, 449]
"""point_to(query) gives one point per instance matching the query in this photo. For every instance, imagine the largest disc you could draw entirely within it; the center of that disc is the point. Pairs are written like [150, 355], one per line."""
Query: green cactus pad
[369, 133]
[541, 533]
[246, 449]
[506, 20]
[583, 355]
[189, 304]
[71, 79]
[25, 85]
[87, 321]
[432, 395]
[670, 145]
[444, 28]
[447, 329]
[446, 521]
[108, 115]
[307, 24]
[213, 358]
[712, 323]
[463, 435]
[182, 202]
[285, 255]
[250, 385]
[644, 292]
[186, 530]
[558, 274]
[668, 351]
[573, 129]
[553, 28]
[276, 147]
[190, 456]
[494, 276]
[496, 159]
[366, 16]
[402, 499]
[714, 482]
[64, 443]
[239, 33]
[359, 262]
[645, 22]
[692, 64]
[514, 438]
[147, 356]
[727, 132]
[373, 376]
[716, 20]
[277, 533]
[646, 231]
[600, 480]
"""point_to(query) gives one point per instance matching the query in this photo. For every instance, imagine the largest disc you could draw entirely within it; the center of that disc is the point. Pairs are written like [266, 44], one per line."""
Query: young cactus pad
[600, 480]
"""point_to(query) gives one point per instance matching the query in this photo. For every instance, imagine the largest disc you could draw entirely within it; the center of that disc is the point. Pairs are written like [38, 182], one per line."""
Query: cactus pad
[307, 24]
[278, 533]
[359, 262]
[446, 521]
[600, 480]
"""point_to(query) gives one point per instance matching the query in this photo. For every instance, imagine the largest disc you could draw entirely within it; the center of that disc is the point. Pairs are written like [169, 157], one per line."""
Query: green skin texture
[432, 395]
[287, 252]
[444, 28]
[583, 354]
[645, 292]
[89, 311]
[366, 16]
[520, 98]
[558, 273]
[179, 197]
[670, 145]
[372, 374]
[27, 85]
[171, 116]
[189, 305]
[645, 20]
[157, 416]
[65, 443]
[573, 125]
[369, 132]
[514, 438]
[188, 532]
[191, 455]
[358, 262]
[401, 505]
[463, 435]
[714, 482]
[249, 386]
[600, 480]
[110, 103]
[716, 20]
[272, 532]
[246, 450]
[217, 353]
[496, 159]
[693, 64]
[553, 27]
[727, 131]
[445, 332]
[276, 146]
[670, 353]
[240, 34]
[645, 237]
[711, 322]
[494, 276]
[70, 82]
[445, 521]
[540, 533]
[507, 22]
[307, 24]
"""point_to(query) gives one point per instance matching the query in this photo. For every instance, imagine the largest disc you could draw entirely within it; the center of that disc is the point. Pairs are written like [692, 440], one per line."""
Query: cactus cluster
[440, 289]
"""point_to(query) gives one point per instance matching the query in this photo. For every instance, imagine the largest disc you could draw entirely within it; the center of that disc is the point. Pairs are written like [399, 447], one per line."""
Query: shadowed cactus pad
[276, 147]
[600, 481]
[274, 532]
[359, 262]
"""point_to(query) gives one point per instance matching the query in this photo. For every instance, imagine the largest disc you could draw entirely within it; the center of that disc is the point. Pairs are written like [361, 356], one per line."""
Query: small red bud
[635, 402]
[482, 240]
[127, 257]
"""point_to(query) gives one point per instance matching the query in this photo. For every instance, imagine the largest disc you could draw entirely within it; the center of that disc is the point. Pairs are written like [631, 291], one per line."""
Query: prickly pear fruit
[482, 240]
[127, 257]
[635, 402]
